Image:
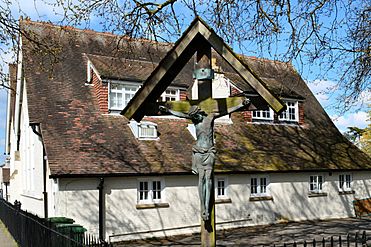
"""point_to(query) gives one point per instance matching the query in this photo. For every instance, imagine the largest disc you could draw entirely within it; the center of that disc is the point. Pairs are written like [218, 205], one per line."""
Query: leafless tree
[334, 34]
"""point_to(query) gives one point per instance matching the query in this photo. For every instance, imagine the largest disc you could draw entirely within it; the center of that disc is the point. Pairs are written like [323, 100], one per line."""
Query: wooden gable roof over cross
[196, 37]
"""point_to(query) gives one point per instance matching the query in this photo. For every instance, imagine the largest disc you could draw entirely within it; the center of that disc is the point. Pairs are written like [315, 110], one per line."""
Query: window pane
[313, 183]
[128, 97]
[262, 114]
[320, 181]
[254, 185]
[348, 181]
[147, 131]
[156, 190]
[263, 185]
[221, 187]
[143, 190]
[341, 181]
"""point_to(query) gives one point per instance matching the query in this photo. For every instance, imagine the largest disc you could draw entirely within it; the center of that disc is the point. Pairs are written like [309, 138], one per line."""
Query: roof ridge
[266, 59]
[91, 31]
[128, 59]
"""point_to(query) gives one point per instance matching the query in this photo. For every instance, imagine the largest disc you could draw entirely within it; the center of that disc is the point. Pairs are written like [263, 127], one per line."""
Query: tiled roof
[134, 70]
[80, 140]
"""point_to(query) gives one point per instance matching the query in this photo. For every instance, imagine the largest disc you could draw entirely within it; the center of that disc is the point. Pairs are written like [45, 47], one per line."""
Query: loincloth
[203, 158]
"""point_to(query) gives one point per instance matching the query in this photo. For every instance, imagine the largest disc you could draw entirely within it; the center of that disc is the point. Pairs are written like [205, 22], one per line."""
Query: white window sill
[152, 205]
[346, 192]
[148, 138]
[260, 198]
[262, 120]
[316, 194]
[222, 200]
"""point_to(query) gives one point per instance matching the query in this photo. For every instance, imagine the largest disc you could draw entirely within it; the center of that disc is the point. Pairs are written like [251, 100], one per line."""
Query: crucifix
[199, 37]
[202, 113]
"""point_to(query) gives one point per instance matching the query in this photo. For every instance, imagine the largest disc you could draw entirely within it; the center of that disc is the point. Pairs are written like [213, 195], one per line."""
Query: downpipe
[45, 193]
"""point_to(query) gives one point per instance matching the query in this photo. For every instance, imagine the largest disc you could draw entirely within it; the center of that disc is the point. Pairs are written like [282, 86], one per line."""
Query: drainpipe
[6, 190]
[101, 209]
[45, 193]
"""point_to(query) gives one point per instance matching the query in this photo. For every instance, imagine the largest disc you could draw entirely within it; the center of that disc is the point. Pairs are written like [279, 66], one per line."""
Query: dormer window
[290, 115]
[263, 114]
[170, 95]
[120, 93]
[147, 130]
[144, 130]
[292, 112]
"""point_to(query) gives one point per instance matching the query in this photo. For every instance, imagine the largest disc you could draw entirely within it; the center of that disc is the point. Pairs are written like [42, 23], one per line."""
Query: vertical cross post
[208, 234]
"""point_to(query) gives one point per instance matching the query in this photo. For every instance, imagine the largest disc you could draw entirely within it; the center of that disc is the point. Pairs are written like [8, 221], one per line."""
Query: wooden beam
[196, 36]
[164, 73]
[244, 71]
[208, 105]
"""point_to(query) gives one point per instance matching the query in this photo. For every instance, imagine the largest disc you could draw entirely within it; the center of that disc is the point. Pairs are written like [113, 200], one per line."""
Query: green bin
[74, 231]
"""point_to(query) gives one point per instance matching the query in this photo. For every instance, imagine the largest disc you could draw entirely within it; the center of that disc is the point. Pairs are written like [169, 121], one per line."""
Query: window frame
[164, 94]
[138, 85]
[147, 125]
[319, 186]
[136, 128]
[151, 194]
[123, 92]
[344, 187]
[261, 112]
[260, 192]
[217, 179]
[287, 113]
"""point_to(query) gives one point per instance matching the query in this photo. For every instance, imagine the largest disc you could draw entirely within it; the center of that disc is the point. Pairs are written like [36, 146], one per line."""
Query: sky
[356, 116]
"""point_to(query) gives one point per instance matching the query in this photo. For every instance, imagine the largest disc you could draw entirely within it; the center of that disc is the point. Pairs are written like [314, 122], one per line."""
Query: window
[147, 130]
[263, 114]
[316, 183]
[259, 186]
[291, 113]
[170, 95]
[345, 181]
[143, 191]
[221, 187]
[120, 94]
[150, 191]
[144, 130]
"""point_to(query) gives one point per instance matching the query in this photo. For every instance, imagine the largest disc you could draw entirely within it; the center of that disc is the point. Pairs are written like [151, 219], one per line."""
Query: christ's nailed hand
[246, 102]
[163, 108]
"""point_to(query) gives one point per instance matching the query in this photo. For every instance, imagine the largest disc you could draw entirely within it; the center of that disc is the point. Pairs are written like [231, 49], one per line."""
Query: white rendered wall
[26, 183]
[78, 199]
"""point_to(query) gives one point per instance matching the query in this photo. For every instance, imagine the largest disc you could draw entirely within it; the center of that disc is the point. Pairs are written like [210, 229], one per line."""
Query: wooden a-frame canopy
[197, 36]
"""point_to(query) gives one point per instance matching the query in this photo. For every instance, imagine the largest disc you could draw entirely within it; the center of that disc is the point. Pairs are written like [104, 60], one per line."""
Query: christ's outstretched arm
[246, 102]
[175, 113]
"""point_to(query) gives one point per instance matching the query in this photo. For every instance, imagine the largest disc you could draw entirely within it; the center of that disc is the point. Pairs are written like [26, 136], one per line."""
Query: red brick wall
[247, 116]
[301, 112]
[182, 94]
[101, 92]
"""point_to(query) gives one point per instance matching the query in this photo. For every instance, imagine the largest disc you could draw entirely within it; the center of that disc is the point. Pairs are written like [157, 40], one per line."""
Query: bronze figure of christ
[203, 152]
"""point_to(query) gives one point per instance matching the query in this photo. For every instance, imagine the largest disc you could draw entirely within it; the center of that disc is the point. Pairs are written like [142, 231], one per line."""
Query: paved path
[6, 240]
[272, 234]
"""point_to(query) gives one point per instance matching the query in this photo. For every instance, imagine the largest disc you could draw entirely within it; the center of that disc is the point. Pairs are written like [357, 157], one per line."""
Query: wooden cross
[204, 151]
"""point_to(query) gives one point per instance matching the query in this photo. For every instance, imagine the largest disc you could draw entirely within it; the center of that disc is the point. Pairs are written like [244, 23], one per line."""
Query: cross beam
[197, 36]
